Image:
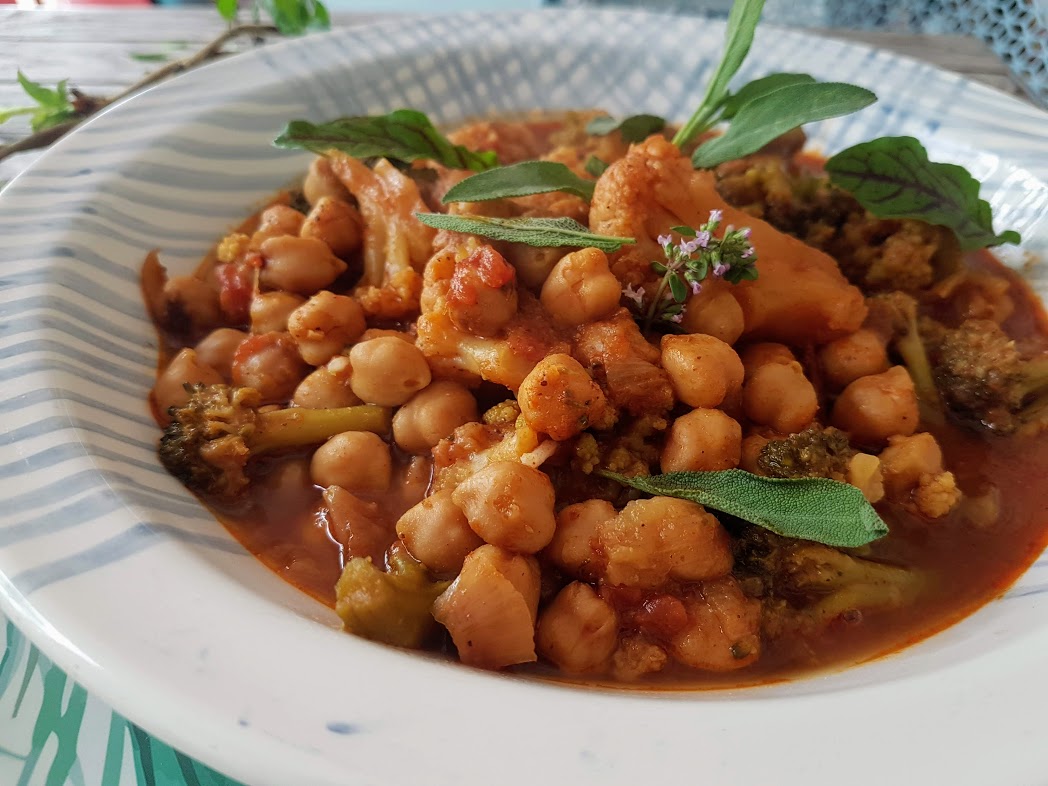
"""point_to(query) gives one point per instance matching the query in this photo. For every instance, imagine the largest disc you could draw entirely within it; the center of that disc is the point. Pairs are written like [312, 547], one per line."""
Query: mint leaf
[738, 38]
[295, 17]
[595, 166]
[227, 9]
[543, 232]
[893, 178]
[760, 121]
[404, 135]
[635, 128]
[517, 180]
[53, 106]
[816, 509]
[759, 88]
[46, 98]
[7, 114]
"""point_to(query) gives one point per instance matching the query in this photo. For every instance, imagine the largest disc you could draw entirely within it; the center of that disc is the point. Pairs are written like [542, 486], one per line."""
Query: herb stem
[659, 292]
[92, 105]
[697, 123]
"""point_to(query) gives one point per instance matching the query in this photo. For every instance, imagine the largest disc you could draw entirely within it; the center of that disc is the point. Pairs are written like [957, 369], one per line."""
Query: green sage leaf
[893, 178]
[541, 232]
[594, 166]
[404, 135]
[635, 128]
[817, 509]
[517, 180]
[759, 88]
[738, 38]
[759, 122]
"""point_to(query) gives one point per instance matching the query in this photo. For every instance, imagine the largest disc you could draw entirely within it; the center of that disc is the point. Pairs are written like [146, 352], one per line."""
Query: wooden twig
[89, 105]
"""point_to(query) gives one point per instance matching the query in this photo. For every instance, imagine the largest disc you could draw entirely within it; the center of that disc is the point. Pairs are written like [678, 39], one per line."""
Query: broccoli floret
[899, 310]
[807, 586]
[982, 377]
[214, 434]
[392, 606]
[813, 453]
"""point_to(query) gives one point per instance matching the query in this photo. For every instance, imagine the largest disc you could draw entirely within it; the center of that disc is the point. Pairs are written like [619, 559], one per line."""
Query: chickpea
[482, 293]
[509, 505]
[437, 534]
[559, 398]
[780, 396]
[704, 440]
[321, 182]
[371, 333]
[270, 364]
[388, 371]
[288, 483]
[573, 546]
[336, 223]
[756, 355]
[353, 460]
[276, 221]
[751, 451]
[859, 355]
[715, 312]
[190, 304]
[578, 631]
[327, 387]
[654, 540]
[865, 473]
[432, 414]
[533, 265]
[217, 348]
[906, 459]
[581, 288]
[723, 631]
[270, 311]
[879, 406]
[301, 265]
[703, 370]
[184, 368]
[324, 325]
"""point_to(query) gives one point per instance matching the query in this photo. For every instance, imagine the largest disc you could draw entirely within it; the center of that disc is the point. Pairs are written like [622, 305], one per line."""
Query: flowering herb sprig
[688, 263]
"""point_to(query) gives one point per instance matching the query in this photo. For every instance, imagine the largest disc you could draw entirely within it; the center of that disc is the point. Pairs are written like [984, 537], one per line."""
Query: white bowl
[125, 581]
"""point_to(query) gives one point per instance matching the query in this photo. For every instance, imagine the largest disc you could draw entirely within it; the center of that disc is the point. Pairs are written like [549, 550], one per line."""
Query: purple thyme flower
[689, 247]
[747, 253]
[745, 233]
[636, 295]
[676, 318]
[665, 241]
[720, 269]
[716, 216]
[696, 287]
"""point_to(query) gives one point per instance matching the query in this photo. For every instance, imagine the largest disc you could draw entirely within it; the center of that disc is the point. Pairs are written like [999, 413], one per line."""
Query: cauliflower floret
[914, 474]
[232, 247]
[624, 364]
[800, 295]
[396, 244]
[526, 338]
[936, 495]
